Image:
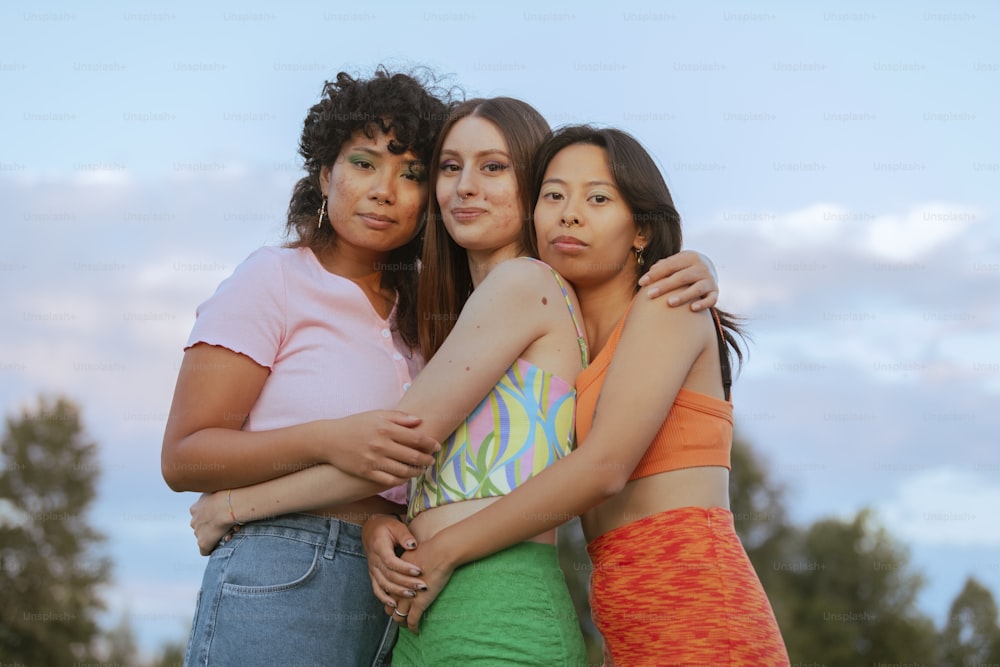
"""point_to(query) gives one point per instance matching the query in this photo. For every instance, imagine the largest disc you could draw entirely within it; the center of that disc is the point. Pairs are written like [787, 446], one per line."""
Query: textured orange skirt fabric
[677, 588]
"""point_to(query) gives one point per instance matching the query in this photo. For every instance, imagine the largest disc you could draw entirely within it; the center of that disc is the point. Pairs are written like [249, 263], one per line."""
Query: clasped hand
[408, 584]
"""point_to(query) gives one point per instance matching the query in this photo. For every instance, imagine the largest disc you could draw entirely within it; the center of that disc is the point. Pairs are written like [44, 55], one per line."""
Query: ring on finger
[400, 614]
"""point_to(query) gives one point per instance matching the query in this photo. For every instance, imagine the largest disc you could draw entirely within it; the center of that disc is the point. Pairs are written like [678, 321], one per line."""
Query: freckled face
[376, 198]
[477, 188]
[585, 229]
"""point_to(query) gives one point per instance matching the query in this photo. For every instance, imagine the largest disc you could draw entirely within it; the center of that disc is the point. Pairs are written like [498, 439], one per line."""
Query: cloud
[897, 237]
[922, 229]
[946, 506]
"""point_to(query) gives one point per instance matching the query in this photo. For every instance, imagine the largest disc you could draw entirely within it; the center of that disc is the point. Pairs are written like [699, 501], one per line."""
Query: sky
[838, 161]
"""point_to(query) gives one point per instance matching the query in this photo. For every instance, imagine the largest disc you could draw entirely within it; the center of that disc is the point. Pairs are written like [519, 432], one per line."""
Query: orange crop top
[698, 430]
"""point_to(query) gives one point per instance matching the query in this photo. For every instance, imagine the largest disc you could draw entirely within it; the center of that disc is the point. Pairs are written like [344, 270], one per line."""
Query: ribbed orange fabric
[677, 588]
[698, 430]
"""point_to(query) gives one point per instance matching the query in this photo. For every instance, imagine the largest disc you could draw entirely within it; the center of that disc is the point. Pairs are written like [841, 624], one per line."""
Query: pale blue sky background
[840, 162]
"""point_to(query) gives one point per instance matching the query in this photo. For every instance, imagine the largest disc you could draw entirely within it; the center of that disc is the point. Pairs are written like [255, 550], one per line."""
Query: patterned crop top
[524, 425]
[698, 430]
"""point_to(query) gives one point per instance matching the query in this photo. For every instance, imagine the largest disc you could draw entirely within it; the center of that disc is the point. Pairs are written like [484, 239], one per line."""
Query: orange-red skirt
[677, 588]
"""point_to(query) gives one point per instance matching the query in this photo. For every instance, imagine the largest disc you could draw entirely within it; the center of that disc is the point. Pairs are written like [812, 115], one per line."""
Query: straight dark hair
[641, 184]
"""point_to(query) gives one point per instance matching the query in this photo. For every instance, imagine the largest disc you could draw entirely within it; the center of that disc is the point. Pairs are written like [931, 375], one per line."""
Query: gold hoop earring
[321, 212]
[640, 260]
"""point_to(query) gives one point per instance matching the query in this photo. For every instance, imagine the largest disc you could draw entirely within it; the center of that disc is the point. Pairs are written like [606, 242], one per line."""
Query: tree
[170, 655]
[50, 569]
[851, 597]
[757, 501]
[761, 521]
[971, 636]
[121, 646]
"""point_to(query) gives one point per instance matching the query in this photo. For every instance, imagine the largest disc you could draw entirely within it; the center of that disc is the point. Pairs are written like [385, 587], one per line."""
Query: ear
[324, 180]
[640, 240]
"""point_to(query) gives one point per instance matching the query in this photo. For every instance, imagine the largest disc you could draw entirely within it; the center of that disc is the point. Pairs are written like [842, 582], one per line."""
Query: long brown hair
[445, 281]
[642, 186]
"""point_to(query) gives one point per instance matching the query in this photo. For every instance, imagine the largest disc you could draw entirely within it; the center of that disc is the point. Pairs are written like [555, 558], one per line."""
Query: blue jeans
[293, 590]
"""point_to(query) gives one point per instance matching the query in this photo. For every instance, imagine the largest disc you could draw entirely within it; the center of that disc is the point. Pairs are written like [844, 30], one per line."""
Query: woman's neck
[481, 262]
[363, 268]
[603, 305]
[359, 265]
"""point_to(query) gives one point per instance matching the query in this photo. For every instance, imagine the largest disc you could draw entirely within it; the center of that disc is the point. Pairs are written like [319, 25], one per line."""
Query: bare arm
[512, 308]
[204, 448]
[637, 395]
[213, 514]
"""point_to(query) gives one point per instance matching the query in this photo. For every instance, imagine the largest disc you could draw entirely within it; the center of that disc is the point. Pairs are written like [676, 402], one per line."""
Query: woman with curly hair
[503, 346]
[297, 360]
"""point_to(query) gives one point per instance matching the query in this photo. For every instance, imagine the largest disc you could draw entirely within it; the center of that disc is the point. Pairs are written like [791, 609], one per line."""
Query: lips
[568, 244]
[377, 220]
[467, 213]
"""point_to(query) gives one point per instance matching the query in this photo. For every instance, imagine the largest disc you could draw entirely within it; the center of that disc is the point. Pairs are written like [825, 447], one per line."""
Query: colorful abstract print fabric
[524, 425]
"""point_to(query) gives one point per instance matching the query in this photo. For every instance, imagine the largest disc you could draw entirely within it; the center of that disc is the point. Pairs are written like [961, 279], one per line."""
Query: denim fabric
[293, 590]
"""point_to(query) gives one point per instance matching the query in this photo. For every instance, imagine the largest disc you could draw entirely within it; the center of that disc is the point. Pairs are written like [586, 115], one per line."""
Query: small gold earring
[321, 212]
[638, 256]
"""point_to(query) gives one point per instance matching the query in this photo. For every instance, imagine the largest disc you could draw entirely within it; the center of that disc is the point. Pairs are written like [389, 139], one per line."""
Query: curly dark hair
[410, 108]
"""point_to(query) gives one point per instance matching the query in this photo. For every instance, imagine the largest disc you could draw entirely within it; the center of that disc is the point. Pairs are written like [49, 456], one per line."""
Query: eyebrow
[379, 153]
[488, 151]
[560, 181]
[366, 149]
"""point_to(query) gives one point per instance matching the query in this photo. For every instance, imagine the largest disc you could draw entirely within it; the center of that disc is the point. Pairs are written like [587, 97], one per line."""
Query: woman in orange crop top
[671, 582]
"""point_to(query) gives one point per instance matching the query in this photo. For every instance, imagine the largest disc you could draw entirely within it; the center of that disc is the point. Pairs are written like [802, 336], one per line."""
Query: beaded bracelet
[229, 502]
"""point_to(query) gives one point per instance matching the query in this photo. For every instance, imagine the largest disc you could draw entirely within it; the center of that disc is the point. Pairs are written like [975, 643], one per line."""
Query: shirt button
[406, 386]
[386, 333]
[397, 356]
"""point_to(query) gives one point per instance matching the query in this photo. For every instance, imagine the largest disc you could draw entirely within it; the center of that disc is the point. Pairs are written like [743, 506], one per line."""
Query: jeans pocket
[261, 564]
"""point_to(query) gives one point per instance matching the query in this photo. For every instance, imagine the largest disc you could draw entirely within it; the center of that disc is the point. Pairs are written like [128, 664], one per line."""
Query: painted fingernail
[409, 594]
[421, 587]
[411, 545]
[415, 572]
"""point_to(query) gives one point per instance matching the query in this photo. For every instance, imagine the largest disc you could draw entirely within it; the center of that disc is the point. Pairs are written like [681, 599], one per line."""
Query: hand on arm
[204, 448]
[687, 277]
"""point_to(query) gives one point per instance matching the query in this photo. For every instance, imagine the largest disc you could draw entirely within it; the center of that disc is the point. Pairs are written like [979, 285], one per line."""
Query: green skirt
[511, 608]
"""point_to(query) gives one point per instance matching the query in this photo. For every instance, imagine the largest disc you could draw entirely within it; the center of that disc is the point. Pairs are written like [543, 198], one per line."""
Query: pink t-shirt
[330, 354]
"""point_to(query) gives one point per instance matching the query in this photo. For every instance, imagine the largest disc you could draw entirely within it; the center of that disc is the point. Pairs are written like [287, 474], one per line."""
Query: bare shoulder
[525, 278]
[654, 316]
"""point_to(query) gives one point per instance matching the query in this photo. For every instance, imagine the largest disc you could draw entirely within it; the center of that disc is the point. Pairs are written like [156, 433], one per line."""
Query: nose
[466, 185]
[384, 188]
[569, 215]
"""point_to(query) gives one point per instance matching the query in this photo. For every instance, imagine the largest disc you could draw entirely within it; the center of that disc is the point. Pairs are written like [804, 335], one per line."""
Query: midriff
[432, 521]
[690, 487]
